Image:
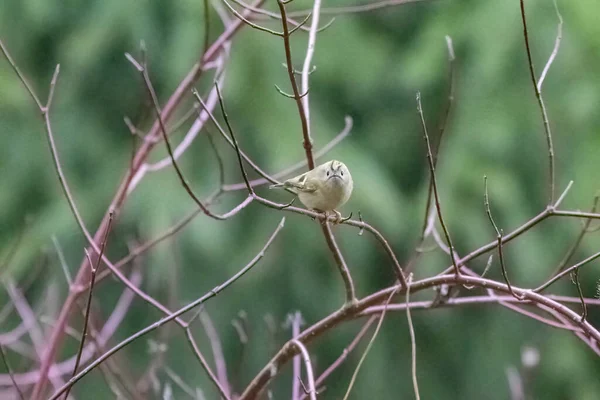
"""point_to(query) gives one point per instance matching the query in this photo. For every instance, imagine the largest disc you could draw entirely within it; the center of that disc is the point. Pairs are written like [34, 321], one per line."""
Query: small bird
[323, 188]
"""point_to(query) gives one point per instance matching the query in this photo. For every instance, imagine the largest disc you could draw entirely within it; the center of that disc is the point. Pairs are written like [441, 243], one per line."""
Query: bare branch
[434, 184]
[164, 320]
[9, 370]
[362, 358]
[310, 49]
[554, 50]
[144, 72]
[89, 300]
[307, 143]
[413, 341]
[341, 264]
[250, 23]
[312, 391]
[358, 8]
[540, 100]
[20, 75]
[215, 344]
[486, 203]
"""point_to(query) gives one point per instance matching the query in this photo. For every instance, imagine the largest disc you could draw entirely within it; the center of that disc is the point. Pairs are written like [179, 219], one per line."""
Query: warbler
[324, 188]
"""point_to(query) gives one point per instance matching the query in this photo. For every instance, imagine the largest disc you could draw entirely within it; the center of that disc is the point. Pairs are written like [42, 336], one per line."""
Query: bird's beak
[335, 176]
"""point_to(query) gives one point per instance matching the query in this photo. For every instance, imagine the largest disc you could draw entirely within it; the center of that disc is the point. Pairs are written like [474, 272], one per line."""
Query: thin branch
[345, 353]
[179, 382]
[217, 350]
[9, 369]
[142, 248]
[312, 391]
[310, 49]
[204, 363]
[554, 50]
[89, 300]
[434, 185]
[563, 195]
[436, 147]
[294, 168]
[580, 293]
[333, 320]
[362, 358]
[144, 72]
[296, 321]
[567, 271]
[227, 138]
[413, 341]
[540, 100]
[250, 23]
[20, 75]
[356, 9]
[474, 300]
[218, 289]
[486, 203]
[16, 245]
[206, 43]
[341, 264]
[260, 11]
[573, 249]
[307, 143]
[109, 328]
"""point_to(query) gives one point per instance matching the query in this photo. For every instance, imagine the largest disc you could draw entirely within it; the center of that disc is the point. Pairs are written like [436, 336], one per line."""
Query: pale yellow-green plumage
[323, 188]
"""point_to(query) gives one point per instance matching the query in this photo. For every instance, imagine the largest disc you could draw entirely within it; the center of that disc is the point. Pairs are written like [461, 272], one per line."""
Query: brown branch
[413, 341]
[486, 203]
[580, 293]
[333, 320]
[56, 338]
[218, 289]
[111, 325]
[312, 391]
[434, 185]
[344, 354]
[364, 355]
[307, 143]
[573, 249]
[204, 363]
[10, 372]
[89, 300]
[540, 100]
[144, 72]
[21, 76]
[357, 8]
[294, 168]
[341, 264]
[217, 350]
[436, 148]
[567, 271]
[250, 23]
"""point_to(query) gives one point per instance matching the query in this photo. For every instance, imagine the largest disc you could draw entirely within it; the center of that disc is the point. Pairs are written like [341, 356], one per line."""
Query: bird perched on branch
[323, 188]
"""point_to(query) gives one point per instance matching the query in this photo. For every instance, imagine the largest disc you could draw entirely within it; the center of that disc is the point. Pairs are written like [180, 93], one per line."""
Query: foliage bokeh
[369, 66]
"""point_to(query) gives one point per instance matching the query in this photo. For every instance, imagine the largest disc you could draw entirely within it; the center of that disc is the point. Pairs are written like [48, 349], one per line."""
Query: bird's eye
[327, 173]
[342, 173]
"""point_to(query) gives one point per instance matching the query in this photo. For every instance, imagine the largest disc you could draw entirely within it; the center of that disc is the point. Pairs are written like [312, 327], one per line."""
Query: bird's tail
[277, 186]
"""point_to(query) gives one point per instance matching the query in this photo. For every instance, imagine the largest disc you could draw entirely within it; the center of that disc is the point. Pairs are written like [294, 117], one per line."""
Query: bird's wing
[299, 183]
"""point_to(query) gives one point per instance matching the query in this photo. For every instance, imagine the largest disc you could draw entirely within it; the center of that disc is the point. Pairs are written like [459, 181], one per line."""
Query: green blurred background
[369, 66]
